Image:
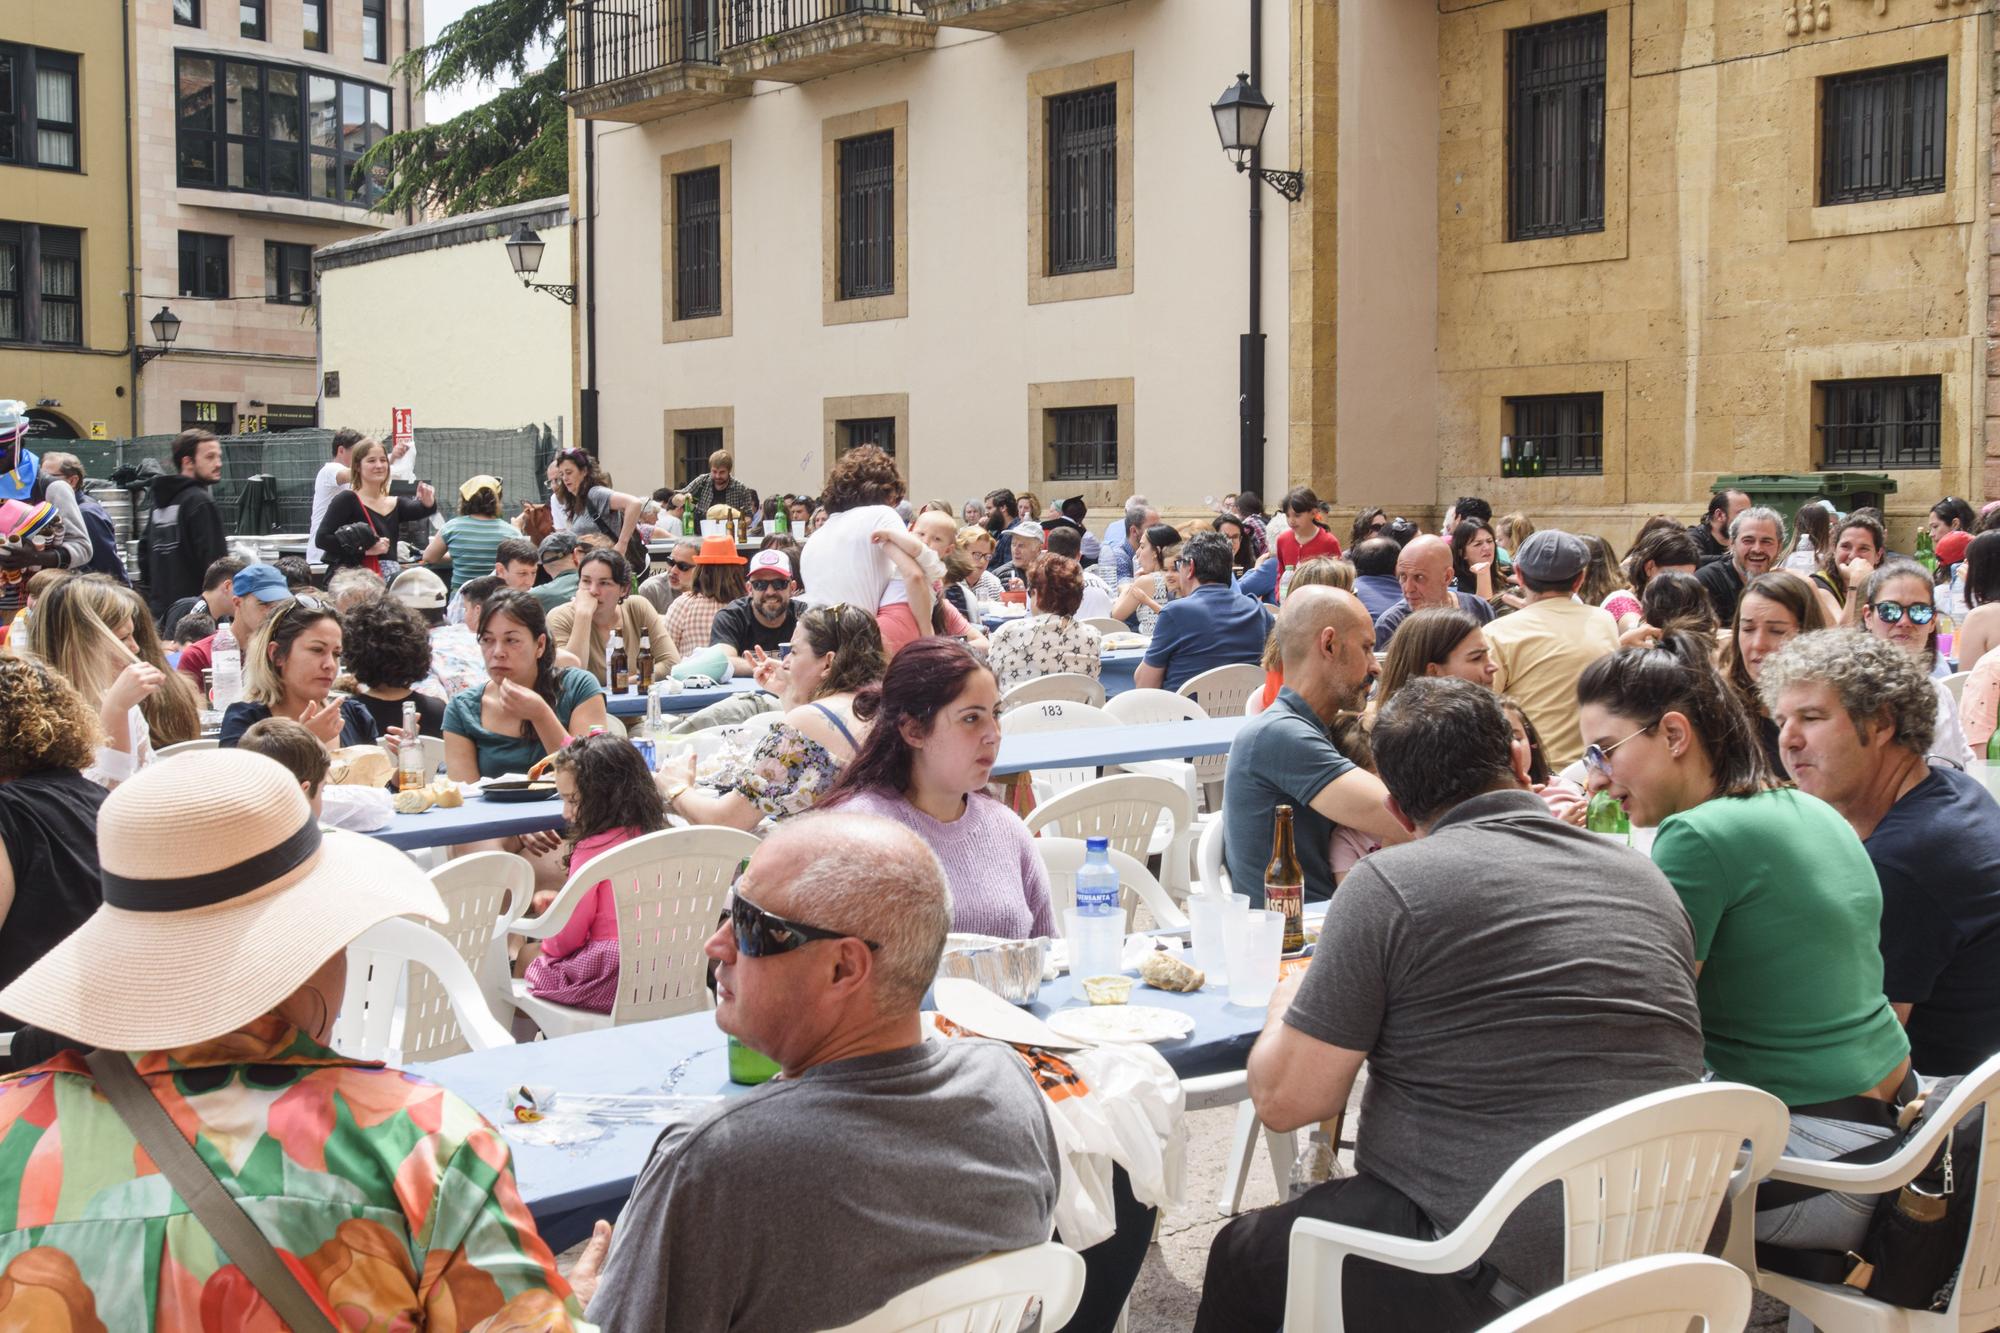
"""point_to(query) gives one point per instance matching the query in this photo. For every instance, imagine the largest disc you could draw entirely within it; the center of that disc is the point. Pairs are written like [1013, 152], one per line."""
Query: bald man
[1284, 756]
[915, 1156]
[1423, 571]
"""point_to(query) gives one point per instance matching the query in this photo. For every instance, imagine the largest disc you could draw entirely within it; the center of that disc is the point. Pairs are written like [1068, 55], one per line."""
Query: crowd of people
[1443, 711]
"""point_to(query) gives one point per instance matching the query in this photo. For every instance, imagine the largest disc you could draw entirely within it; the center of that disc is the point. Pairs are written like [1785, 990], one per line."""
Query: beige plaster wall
[973, 341]
[1718, 290]
[451, 334]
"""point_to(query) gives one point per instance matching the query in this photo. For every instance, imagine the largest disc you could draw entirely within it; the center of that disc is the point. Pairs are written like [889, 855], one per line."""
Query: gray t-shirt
[809, 1202]
[1283, 757]
[1508, 976]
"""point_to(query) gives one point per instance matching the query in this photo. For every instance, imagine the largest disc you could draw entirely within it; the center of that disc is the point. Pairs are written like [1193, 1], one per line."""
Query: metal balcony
[640, 60]
[791, 41]
[1000, 15]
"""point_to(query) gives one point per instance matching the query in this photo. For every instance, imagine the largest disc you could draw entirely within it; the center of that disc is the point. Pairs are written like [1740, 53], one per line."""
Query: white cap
[1032, 531]
[777, 560]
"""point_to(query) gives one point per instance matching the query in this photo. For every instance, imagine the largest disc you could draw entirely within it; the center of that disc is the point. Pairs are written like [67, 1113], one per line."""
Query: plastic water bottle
[1100, 942]
[225, 667]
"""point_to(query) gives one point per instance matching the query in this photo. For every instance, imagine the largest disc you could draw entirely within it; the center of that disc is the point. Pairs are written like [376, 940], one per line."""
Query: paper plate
[1122, 1022]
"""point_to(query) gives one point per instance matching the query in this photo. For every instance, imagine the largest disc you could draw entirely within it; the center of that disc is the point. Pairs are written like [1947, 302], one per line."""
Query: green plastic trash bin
[1786, 491]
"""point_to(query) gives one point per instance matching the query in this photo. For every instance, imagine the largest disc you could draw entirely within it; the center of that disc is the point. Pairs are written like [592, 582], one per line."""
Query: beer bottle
[1285, 882]
[616, 676]
[1506, 455]
[643, 681]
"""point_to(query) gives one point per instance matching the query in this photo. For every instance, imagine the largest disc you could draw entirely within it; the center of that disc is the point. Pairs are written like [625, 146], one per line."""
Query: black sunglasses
[759, 934]
[682, 565]
[1890, 613]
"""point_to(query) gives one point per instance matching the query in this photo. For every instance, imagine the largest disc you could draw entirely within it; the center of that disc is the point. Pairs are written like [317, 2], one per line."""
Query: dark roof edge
[465, 229]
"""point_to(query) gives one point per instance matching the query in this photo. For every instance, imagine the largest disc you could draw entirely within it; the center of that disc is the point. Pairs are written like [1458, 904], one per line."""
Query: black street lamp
[1240, 115]
[166, 328]
[524, 252]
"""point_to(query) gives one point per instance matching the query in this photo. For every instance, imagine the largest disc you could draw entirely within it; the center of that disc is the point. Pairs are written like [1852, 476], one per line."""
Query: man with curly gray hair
[1855, 717]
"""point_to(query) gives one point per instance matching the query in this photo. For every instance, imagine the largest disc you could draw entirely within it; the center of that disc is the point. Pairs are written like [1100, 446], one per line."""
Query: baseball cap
[1951, 547]
[416, 588]
[1028, 529]
[769, 560]
[557, 545]
[474, 485]
[264, 582]
[1552, 556]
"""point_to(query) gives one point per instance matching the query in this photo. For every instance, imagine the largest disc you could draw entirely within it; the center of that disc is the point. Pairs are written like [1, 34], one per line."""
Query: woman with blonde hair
[289, 667]
[361, 523]
[1510, 530]
[969, 593]
[173, 712]
[83, 628]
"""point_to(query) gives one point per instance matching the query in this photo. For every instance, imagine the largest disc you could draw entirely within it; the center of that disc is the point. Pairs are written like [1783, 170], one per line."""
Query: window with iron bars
[1564, 431]
[1555, 129]
[867, 215]
[698, 244]
[1879, 423]
[1083, 180]
[857, 431]
[1084, 442]
[691, 451]
[1882, 133]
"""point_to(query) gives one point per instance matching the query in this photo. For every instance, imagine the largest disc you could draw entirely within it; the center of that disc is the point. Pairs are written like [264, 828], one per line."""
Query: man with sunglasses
[1855, 720]
[676, 575]
[764, 617]
[877, 1160]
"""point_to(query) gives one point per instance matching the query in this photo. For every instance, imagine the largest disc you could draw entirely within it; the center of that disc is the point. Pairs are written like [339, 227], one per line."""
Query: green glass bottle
[1606, 815]
[1993, 749]
[749, 1067]
[1926, 553]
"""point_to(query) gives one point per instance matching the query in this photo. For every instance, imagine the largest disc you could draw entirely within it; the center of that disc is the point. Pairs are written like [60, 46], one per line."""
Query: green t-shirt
[473, 543]
[558, 591]
[1787, 917]
[499, 754]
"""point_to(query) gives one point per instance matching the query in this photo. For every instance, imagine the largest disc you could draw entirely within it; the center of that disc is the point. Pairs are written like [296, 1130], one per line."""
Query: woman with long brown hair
[1776, 608]
[1441, 641]
[594, 508]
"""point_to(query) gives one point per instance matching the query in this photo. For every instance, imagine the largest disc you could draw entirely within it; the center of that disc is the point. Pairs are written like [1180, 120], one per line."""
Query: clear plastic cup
[1254, 945]
[1096, 943]
[1208, 916]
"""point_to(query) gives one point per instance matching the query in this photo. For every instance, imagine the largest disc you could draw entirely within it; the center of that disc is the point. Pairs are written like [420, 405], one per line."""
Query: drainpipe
[409, 96]
[587, 428]
[1250, 355]
[131, 232]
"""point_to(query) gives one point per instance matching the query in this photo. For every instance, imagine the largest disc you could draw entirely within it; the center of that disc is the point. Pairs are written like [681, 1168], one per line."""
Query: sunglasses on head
[759, 934]
[1890, 613]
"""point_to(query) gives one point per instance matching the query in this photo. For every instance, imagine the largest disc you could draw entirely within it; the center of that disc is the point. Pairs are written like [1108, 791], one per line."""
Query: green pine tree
[510, 149]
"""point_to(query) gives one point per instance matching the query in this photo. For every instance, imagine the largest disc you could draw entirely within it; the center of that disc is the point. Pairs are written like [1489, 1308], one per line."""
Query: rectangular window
[374, 32]
[1083, 180]
[1564, 431]
[1555, 129]
[276, 129]
[1880, 423]
[698, 243]
[1085, 443]
[313, 18]
[691, 451]
[867, 215]
[38, 107]
[41, 284]
[287, 273]
[280, 417]
[250, 18]
[1882, 133]
[204, 265]
[856, 431]
[62, 286]
[187, 13]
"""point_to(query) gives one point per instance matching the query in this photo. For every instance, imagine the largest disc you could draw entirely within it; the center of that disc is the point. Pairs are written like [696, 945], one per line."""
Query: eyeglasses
[1597, 758]
[682, 565]
[1890, 613]
[759, 934]
[1182, 562]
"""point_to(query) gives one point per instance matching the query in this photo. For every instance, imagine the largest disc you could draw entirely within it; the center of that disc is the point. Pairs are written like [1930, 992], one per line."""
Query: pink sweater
[998, 884]
[596, 916]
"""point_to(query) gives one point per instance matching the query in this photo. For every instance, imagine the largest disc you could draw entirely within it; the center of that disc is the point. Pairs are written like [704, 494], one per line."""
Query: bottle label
[1291, 900]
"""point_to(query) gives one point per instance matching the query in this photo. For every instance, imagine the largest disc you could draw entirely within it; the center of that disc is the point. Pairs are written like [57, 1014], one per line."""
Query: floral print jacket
[392, 1199]
[1042, 646]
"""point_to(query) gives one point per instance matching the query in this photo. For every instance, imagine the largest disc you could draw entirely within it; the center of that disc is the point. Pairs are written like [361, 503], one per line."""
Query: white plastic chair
[1071, 685]
[1125, 808]
[1107, 625]
[669, 888]
[1667, 1293]
[989, 1295]
[389, 1013]
[1211, 875]
[1055, 715]
[1063, 857]
[1954, 685]
[1223, 691]
[1194, 775]
[484, 894]
[1975, 1299]
[184, 747]
[1642, 1178]
[433, 754]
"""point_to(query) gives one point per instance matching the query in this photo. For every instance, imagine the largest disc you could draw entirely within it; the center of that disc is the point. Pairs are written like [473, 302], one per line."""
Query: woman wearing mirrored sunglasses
[1896, 605]
[1784, 903]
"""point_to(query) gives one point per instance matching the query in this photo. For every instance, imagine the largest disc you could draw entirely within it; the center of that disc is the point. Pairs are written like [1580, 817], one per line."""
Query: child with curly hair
[608, 799]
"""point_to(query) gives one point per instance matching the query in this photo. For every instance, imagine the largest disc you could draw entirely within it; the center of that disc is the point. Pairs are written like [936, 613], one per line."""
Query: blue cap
[1097, 844]
[264, 582]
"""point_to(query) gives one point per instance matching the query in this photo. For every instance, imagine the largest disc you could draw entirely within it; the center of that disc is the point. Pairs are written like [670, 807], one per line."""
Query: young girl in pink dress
[608, 799]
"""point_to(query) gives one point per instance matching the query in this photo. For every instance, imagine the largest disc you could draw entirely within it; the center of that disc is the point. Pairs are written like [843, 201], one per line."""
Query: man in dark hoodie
[184, 532]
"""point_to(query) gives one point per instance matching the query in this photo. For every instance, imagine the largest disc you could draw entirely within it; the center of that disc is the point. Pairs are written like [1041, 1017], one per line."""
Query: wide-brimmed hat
[717, 549]
[472, 486]
[222, 895]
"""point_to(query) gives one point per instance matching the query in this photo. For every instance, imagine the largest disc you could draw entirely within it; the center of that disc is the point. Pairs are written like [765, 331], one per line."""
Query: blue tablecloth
[567, 1189]
[475, 821]
[1116, 668]
[1093, 747]
[687, 701]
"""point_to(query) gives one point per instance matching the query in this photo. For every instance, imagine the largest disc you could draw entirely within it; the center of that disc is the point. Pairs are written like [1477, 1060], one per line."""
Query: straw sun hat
[221, 896]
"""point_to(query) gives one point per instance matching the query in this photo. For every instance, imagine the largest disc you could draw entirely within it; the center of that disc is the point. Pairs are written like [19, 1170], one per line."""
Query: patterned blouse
[787, 773]
[392, 1198]
[1043, 645]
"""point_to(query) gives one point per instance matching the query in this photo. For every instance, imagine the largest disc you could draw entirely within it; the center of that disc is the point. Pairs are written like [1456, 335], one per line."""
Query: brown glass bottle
[1285, 881]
